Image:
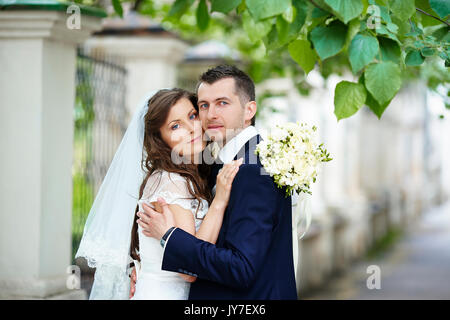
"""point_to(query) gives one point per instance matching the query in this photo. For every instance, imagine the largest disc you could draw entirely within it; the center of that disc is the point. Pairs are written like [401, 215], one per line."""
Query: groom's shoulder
[254, 173]
[254, 177]
[251, 165]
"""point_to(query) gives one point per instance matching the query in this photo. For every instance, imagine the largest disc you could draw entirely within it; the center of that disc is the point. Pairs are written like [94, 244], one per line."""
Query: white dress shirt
[232, 147]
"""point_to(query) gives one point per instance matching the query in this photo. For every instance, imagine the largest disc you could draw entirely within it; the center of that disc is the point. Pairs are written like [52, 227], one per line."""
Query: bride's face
[182, 130]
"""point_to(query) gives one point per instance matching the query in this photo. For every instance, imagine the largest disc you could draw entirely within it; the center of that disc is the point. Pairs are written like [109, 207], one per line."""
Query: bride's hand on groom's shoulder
[224, 181]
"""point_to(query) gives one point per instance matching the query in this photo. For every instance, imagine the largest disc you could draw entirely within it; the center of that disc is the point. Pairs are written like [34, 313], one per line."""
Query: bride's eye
[193, 116]
[176, 126]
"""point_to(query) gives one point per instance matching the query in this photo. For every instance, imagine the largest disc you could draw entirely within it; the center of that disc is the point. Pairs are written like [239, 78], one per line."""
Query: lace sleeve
[172, 187]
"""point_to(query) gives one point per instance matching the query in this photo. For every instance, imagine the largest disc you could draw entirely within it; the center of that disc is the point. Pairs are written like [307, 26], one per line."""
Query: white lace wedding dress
[152, 282]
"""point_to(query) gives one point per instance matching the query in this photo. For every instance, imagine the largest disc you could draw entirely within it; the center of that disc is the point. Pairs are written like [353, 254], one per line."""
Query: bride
[160, 156]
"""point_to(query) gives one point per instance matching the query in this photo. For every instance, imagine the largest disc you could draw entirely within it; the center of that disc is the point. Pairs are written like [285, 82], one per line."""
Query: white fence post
[37, 94]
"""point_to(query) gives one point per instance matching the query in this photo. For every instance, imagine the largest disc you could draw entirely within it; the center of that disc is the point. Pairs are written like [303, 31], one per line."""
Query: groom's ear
[249, 111]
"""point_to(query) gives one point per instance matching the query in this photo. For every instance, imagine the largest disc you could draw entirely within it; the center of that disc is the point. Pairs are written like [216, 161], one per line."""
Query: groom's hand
[153, 223]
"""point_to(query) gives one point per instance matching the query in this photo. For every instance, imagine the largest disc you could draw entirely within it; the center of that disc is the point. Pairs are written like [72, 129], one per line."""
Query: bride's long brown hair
[156, 154]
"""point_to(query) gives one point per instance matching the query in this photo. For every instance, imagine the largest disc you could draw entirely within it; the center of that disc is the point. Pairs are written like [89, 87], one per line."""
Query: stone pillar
[37, 94]
[151, 62]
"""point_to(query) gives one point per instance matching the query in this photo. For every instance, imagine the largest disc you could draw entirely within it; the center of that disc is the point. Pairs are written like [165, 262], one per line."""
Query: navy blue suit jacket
[252, 258]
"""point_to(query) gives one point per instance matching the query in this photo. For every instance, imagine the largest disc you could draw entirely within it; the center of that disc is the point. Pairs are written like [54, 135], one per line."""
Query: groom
[252, 258]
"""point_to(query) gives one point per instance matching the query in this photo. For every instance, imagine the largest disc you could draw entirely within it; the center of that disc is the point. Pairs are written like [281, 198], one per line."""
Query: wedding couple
[199, 231]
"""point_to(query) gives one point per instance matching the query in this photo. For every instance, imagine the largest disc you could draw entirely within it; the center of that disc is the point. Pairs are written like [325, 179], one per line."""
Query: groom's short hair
[244, 85]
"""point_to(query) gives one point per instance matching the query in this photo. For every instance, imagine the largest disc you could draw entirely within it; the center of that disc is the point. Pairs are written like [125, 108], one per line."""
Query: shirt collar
[232, 147]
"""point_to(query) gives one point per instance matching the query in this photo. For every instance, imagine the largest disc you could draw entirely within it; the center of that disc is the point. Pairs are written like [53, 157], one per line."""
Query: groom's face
[220, 110]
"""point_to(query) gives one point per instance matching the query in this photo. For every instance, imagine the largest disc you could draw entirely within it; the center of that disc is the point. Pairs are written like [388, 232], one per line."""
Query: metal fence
[100, 122]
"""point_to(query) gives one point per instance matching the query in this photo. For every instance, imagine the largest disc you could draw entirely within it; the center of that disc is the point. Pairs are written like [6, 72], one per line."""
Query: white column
[37, 94]
[151, 62]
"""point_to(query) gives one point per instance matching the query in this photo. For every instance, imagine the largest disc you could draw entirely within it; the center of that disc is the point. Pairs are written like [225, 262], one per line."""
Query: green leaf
[346, 9]
[362, 51]
[425, 19]
[288, 15]
[328, 41]
[241, 8]
[403, 26]
[403, 9]
[255, 30]
[443, 55]
[319, 13]
[349, 97]
[441, 7]
[118, 7]
[373, 104]
[224, 6]
[287, 32]
[390, 50]
[419, 44]
[415, 30]
[271, 41]
[382, 2]
[261, 9]
[353, 29]
[392, 27]
[427, 51]
[376, 108]
[202, 15]
[383, 30]
[384, 13]
[301, 52]
[414, 58]
[365, 5]
[282, 30]
[442, 34]
[301, 12]
[383, 80]
[179, 8]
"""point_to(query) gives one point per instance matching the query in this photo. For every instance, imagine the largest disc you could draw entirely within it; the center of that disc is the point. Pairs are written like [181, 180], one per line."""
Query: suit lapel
[248, 153]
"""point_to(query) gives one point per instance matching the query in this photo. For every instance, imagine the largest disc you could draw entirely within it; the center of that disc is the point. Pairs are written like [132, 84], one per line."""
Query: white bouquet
[292, 156]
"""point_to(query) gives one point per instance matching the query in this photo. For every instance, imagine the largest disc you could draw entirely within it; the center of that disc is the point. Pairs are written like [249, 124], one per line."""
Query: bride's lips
[195, 139]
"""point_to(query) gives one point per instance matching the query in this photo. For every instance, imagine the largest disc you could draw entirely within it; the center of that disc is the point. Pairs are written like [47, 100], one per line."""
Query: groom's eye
[204, 105]
[222, 103]
[193, 116]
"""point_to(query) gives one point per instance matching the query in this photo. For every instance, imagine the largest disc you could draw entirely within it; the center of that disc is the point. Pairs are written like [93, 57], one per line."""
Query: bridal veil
[107, 234]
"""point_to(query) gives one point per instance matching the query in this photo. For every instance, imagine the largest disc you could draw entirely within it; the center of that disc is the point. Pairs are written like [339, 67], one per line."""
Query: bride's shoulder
[165, 178]
[167, 175]
[166, 183]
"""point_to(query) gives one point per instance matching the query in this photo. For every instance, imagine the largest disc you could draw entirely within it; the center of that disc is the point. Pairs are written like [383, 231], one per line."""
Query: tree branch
[419, 10]
[430, 15]
[317, 6]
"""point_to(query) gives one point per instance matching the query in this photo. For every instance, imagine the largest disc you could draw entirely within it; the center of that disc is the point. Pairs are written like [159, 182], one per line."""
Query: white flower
[278, 134]
[292, 156]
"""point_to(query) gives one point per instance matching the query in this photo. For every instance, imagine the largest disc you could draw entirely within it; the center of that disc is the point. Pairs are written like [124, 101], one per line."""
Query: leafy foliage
[383, 80]
[382, 42]
[303, 54]
[329, 40]
[362, 51]
[349, 98]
